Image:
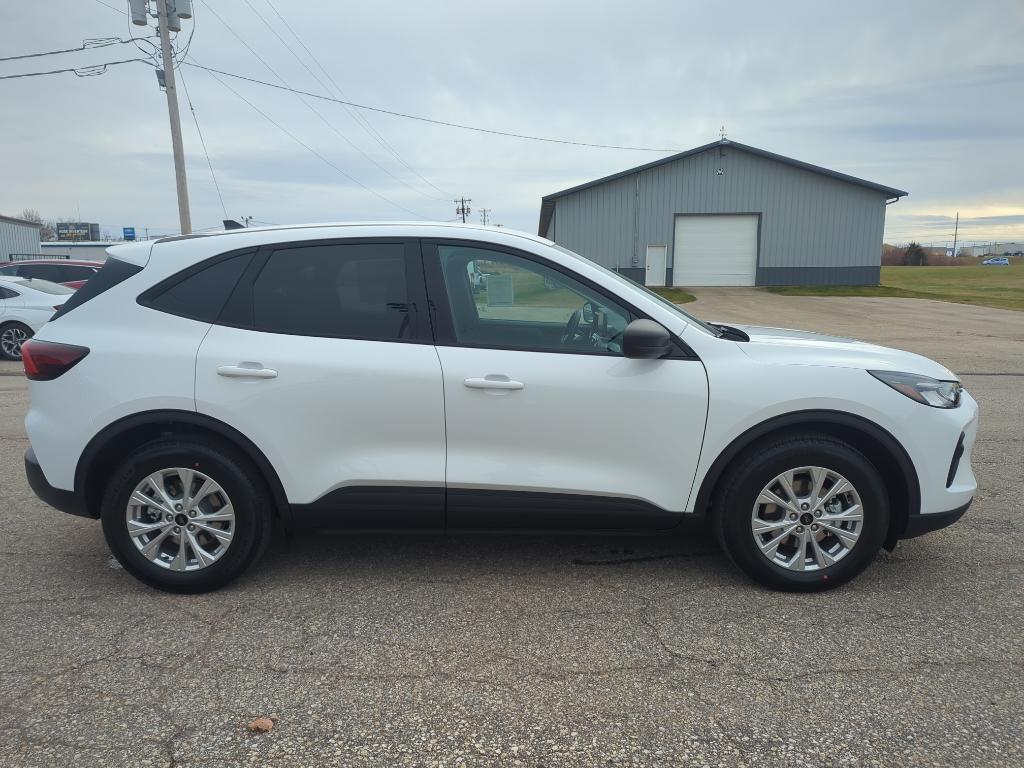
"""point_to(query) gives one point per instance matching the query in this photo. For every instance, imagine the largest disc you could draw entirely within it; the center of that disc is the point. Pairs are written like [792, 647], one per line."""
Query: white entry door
[656, 259]
[715, 250]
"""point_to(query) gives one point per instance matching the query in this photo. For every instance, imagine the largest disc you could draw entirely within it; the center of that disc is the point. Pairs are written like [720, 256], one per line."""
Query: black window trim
[238, 309]
[440, 306]
[148, 297]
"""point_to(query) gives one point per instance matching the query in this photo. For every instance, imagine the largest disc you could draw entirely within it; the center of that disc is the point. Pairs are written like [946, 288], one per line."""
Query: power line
[87, 44]
[301, 143]
[330, 125]
[309, 106]
[432, 121]
[357, 116]
[90, 71]
[108, 5]
[202, 141]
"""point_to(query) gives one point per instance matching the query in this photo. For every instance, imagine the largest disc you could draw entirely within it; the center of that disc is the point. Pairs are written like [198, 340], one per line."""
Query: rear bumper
[65, 501]
[918, 525]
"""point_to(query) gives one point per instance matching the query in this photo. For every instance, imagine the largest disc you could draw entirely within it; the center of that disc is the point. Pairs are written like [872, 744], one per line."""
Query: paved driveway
[528, 651]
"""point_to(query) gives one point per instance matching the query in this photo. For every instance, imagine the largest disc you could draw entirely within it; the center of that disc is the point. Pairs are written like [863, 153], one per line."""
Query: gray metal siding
[808, 219]
[17, 238]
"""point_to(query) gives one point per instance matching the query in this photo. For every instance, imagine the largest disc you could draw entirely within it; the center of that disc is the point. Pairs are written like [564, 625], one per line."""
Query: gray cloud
[893, 92]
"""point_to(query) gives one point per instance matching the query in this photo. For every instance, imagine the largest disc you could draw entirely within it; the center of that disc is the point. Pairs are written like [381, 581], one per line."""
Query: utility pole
[462, 208]
[164, 20]
[956, 231]
[484, 215]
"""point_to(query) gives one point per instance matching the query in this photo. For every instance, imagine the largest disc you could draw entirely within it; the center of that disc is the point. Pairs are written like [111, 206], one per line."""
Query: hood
[783, 346]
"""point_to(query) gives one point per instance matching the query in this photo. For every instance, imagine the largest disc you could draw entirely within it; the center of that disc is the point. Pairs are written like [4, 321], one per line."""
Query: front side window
[505, 301]
[356, 290]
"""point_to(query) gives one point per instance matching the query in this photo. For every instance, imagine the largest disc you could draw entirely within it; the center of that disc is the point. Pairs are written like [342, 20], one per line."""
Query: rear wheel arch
[114, 443]
[877, 444]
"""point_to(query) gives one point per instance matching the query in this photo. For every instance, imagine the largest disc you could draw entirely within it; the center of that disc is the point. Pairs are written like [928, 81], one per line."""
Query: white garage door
[715, 250]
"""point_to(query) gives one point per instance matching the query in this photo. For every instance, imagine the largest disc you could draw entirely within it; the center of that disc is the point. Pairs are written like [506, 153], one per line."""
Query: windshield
[45, 286]
[707, 328]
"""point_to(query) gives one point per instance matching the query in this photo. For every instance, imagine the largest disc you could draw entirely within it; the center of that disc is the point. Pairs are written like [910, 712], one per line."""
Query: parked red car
[73, 274]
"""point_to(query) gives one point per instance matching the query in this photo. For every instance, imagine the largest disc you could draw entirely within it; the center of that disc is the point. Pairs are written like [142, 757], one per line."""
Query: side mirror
[646, 340]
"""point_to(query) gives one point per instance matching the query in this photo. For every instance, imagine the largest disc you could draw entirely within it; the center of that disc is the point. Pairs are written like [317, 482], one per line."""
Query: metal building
[18, 238]
[726, 214]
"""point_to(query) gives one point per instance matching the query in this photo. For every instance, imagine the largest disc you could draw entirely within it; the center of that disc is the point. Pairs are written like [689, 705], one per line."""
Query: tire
[738, 507]
[9, 335]
[237, 482]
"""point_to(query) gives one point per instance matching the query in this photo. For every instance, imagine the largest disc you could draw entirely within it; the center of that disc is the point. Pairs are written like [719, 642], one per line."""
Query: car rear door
[548, 425]
[323, 357]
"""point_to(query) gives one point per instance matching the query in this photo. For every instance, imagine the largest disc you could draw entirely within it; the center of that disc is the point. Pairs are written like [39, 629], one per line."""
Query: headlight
[923, 389]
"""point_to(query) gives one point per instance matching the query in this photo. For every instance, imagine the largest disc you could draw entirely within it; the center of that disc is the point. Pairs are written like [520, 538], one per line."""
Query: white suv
[350, 377]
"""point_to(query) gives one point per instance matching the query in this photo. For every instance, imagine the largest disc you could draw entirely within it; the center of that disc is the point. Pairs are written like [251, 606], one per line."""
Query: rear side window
[112, 272]
[72, 272]
[199, 294]
[356, 290]
[51, 272]
[7, 293]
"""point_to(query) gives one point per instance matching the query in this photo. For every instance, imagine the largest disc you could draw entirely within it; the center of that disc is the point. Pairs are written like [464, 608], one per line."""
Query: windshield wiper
[731, 333]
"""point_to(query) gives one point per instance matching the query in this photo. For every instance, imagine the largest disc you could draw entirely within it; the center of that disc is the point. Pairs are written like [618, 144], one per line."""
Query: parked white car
[25, 304]
[348, 376]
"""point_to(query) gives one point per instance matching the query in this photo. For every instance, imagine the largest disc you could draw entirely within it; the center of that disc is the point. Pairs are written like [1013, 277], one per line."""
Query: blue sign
[129, 233]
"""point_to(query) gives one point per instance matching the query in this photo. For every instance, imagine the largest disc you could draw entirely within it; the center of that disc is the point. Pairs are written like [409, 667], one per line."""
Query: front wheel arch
[876, 443]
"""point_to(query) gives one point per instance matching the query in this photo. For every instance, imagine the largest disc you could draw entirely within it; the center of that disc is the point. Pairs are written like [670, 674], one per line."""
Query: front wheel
[803, 513]
[186, 515]
[12, 336]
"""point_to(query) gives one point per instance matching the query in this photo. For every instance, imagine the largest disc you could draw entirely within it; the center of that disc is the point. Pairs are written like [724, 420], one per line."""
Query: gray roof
[13, 220]
[547, 207]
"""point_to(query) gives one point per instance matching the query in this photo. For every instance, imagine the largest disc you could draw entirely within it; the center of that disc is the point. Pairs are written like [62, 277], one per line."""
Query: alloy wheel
[807, 519]
[11, 340]
[180, 519]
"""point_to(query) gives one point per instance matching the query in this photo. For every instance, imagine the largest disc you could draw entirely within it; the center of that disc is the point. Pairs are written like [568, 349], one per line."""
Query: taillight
[46, 360]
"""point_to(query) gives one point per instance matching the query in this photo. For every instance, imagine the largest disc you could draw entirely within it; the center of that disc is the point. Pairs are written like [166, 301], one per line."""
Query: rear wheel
[806, 512]
[12, 336]
[186, 516]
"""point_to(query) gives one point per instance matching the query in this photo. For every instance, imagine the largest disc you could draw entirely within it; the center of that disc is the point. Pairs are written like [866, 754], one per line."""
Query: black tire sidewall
[243, 487]
[745, 486]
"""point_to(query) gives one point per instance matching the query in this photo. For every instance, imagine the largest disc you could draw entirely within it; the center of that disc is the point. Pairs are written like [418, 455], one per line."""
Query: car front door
[548, 424]
[323, 358]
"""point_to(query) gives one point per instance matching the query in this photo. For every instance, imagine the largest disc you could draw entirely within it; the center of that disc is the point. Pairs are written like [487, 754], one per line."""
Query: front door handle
[246, 371]
[494, 382]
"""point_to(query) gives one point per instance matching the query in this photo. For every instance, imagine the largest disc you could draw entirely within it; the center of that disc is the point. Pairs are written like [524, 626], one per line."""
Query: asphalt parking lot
[529, 651]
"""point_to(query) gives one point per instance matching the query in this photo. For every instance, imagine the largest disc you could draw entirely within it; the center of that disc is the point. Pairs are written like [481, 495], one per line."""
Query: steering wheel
[572, 327]
[580, 325]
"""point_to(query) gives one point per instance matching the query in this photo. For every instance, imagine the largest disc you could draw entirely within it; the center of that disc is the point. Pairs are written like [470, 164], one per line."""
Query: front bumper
[918, 525]
[65, 501]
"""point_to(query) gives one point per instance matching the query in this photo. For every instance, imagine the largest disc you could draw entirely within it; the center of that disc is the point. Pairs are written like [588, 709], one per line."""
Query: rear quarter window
[200, 292]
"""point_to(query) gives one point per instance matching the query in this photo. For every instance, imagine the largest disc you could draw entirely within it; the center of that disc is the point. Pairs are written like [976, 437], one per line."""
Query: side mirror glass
[646, 340]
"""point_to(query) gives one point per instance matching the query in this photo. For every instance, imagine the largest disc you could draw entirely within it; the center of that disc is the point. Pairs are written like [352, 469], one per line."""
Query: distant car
[25, 305]
[73, 274]
[999, 261]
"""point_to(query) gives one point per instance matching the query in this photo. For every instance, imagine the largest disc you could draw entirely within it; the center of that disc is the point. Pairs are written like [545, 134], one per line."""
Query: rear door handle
[246, 371]
[494, 382]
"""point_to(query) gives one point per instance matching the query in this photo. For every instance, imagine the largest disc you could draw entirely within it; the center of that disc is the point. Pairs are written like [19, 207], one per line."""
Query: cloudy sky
[923, 96]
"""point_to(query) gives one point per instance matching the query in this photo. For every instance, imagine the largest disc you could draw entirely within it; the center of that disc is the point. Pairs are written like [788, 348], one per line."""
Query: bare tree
[48, 231]
[915, 256]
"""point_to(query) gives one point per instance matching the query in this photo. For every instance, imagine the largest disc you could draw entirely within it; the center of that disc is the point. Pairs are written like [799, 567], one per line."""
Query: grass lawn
[1001, 287]
[675, 295]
